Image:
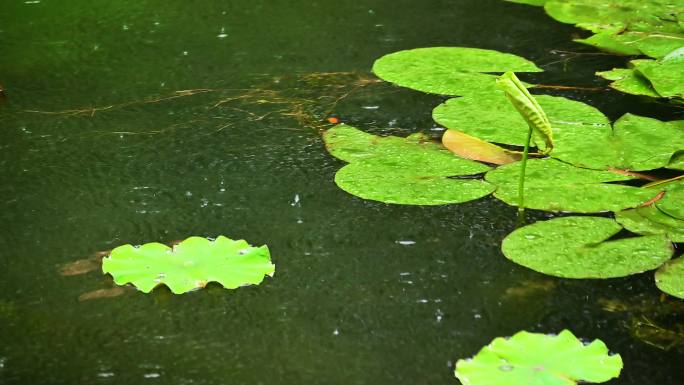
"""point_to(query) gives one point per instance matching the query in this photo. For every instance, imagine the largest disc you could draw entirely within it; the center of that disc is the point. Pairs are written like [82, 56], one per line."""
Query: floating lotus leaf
[649, 220]
[666, 75]
[470, 147]
[491, 117]
[629, 81]
[448, 70]
[556, 186]
[670, 278]
[539, 359]
[677, 161]
[189, 265]
[633, 15]
[410, 182]
[672, 203]
[654, 44]
[635, 143]
[577, 247]
[351, 144]
[402, 170]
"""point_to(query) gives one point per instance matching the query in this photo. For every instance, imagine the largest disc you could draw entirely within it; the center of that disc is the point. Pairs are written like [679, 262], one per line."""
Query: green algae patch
[535, 358]
[189, 265]
[449, 70]
[578, 247]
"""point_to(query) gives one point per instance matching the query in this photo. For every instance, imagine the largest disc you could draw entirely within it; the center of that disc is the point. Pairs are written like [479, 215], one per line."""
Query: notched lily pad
[409, 171]
[534, 358]
[493, 118]
[629, 81]
[189, 265]
[556, 186]
[635, 143]
[651, 220]
[449, 70]
[670, 278]
[578, 247]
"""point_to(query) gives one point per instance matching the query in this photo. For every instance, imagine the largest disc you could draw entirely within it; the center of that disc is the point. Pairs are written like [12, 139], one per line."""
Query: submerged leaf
[470, 147]
[533, 358]
[670, 278]
[448, 70]
[578, 247]
[189, 265]
[492, 118]
[402, 170]
[556, 186]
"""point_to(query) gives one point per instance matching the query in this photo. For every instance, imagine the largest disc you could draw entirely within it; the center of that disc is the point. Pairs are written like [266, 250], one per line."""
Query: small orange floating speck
[333, 120]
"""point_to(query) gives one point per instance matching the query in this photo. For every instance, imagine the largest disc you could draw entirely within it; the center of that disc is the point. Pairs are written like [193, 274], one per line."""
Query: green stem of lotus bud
[521, 179]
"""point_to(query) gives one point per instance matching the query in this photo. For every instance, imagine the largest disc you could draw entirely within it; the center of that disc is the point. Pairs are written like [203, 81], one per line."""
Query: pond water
[99, 148]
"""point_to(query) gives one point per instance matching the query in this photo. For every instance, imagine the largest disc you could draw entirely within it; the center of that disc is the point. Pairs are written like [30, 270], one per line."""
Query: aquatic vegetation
[449, 70]
[670, 278]
[650, 219]
[189, 265]
[580, 247]
[651, 333]
[470, 147]
[556, 186]
[534, 358]
[492, 118]
[652, 28]
[536, 120]
[402, 170]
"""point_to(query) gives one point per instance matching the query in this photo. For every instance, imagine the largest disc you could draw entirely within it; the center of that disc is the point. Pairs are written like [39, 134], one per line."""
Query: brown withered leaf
[470, 147]
[101, 293]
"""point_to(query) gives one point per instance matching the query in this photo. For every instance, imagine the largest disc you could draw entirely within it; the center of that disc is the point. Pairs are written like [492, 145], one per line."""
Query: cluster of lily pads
[592, 166]
[651, 28]
[584, 164]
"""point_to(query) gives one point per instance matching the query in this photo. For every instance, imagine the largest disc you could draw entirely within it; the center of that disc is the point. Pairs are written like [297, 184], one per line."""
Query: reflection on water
[131, 122]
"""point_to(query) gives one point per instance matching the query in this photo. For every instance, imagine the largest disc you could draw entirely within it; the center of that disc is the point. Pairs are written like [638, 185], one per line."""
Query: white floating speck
[336, 332]
[406, 243]
[151, 375]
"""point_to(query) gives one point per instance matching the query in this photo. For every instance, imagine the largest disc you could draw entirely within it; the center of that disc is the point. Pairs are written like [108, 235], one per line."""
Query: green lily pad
[654, 44]
[411, 171]
[677, 161]
[670, 278]
[411, 182]
[540, 359]
[491, 117]
[577, 247]
[189, 265]
[350, 144]
[552, 185]
[666, 75]
[629, 81]
[611, 43]
[633, 15]
[672, 203]
[650, 220]
[635, 143]
[448, 70]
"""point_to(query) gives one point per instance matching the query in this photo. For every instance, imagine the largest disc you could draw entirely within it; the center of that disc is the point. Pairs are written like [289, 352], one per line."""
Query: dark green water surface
[94, 154]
